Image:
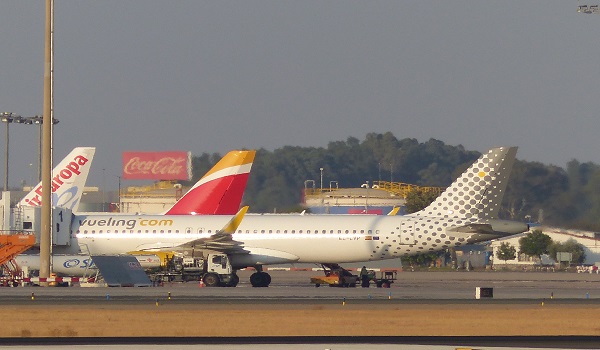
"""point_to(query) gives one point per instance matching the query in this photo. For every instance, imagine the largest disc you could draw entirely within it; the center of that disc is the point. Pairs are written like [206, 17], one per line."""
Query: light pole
[119, 177]
[103, 188]
[8, 117]
[31, 184]
[321, 179]
[367, 199]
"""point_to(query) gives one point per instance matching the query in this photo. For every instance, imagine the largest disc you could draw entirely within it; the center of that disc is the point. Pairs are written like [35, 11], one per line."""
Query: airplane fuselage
[271, 239]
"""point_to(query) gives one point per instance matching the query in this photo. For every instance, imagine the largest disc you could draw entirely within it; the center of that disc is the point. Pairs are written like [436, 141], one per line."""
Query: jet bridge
[29, 219]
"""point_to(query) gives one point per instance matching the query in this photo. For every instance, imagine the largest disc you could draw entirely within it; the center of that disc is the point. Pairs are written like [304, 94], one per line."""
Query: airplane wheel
[234, 281]
[211, 280]
[260, 279]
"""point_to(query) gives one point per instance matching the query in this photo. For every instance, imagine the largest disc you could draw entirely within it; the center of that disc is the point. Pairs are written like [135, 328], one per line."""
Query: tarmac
[286, 286]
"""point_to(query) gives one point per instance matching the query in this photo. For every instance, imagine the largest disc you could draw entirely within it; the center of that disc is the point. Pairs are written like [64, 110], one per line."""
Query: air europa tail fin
[218, 192]
[68, 180]
[478, 192]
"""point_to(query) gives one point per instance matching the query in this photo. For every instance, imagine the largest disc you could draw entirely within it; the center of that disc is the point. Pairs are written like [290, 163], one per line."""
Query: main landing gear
[260, 278]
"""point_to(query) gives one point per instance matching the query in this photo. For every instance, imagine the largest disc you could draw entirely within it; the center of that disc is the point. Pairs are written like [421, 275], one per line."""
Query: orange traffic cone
[201, 284]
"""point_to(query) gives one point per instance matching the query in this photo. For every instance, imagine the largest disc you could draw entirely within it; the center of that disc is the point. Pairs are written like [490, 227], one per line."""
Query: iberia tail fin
[68, 180]
[219, 191]
[478, 192]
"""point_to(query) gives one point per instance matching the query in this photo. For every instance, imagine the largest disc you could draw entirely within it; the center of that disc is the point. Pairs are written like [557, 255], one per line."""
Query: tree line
[566, 197]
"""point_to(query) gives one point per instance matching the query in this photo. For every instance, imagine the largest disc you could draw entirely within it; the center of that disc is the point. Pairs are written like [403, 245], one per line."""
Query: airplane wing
[221, 241]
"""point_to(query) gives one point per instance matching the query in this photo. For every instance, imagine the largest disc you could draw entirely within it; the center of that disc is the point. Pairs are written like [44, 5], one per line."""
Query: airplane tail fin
[220, 190]
[68, 180]
[478, 192]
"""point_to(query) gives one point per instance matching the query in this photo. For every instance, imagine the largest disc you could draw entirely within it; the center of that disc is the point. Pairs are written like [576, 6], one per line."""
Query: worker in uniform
[364, 277]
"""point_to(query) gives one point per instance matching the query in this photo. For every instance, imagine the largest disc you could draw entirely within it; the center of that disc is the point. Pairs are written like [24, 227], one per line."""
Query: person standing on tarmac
[364, 277]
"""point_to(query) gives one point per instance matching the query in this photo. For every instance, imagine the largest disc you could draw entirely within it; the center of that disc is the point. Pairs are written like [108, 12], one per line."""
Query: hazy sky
[211, 76]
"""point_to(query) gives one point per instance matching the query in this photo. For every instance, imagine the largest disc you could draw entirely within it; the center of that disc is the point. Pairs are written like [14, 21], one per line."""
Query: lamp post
[321, 179]
[366, 185]
[8, 117]
[119, 177]
[103, 188]
[367, 199]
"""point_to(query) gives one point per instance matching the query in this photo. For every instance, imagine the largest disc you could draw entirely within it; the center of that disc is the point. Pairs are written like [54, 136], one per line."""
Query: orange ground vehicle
[11, 245]
[335, 276]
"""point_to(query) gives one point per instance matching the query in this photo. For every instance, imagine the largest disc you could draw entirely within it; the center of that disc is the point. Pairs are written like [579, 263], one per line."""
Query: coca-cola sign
[173, 165]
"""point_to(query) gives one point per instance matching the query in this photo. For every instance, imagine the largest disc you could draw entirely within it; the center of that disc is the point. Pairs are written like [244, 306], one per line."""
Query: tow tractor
[335, 276]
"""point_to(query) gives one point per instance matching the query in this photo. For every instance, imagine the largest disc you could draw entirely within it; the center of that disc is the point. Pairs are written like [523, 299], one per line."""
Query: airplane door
[61, 232]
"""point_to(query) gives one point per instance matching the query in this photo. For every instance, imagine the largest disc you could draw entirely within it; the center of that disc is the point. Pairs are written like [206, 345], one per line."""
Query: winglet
[233, 224]
[68, 180]
[220, 190]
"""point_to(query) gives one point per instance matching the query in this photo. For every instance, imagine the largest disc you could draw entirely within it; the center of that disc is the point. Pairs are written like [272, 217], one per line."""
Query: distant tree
[506, 252]
[418, 199]
[423, 259]
[535, 243]
[570, 246]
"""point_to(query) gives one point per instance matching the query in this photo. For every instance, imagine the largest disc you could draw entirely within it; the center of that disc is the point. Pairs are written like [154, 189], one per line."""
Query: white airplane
[465, 213]
[218, 192]
[68, 180]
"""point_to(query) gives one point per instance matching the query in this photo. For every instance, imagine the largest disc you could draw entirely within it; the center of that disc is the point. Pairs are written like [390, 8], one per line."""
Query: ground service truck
[213, 269]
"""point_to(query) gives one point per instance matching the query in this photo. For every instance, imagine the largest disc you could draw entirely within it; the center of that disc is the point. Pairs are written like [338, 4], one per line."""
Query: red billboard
[172, 165]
